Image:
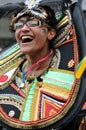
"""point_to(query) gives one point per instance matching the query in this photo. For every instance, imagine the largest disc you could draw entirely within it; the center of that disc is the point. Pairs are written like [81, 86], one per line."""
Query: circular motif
[11, 113]
[4, 78]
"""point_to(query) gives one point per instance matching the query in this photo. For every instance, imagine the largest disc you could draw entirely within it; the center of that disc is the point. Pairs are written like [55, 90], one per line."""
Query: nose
[25, 27]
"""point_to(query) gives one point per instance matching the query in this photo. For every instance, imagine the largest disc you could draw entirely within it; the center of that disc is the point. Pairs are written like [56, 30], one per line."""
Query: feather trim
[32, 3]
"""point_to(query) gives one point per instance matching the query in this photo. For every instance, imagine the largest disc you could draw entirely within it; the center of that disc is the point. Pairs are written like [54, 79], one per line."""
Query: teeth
[26, 39]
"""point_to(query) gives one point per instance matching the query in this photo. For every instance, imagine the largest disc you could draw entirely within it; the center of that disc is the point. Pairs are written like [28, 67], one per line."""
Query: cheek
[41, 38]
[42, 34]
[17, 35]
[43, 30]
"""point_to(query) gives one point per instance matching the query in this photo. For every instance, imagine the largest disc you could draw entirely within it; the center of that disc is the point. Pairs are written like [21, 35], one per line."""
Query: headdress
[14, 8]
[34, 8]
[40, 9]
[31, 7]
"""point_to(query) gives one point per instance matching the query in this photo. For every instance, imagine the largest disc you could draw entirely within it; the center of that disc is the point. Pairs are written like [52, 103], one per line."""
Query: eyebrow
[27, 19]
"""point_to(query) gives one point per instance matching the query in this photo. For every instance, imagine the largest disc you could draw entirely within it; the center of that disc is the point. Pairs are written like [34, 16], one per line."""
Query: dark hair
[50, 19]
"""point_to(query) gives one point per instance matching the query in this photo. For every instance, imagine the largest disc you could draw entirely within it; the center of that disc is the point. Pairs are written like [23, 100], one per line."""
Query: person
[36, 91]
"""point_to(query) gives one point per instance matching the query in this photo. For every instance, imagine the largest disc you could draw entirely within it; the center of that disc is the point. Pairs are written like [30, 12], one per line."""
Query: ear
[51, 34]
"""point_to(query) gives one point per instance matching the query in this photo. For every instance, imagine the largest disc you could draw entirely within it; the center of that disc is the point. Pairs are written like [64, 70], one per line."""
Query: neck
[32, 59]
[39, 67]
[42, 62]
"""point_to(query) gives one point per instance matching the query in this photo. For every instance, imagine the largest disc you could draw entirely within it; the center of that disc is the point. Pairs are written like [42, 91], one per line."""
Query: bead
[11, 113]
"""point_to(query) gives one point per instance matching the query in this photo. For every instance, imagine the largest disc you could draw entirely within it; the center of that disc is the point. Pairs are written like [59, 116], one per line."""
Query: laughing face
[32, 37]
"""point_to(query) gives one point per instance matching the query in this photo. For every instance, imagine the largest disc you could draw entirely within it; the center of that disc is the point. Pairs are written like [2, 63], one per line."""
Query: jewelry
[35, 65]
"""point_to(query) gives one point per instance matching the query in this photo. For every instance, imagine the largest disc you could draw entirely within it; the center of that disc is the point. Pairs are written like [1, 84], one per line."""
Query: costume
[49, 100]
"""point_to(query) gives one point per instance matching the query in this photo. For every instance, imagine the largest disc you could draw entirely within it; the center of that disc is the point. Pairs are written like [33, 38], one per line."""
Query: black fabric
[73, 125]
[79, 23]
[67, 53]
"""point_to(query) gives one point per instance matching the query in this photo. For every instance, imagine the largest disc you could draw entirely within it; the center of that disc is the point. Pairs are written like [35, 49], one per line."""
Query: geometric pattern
[49, 106]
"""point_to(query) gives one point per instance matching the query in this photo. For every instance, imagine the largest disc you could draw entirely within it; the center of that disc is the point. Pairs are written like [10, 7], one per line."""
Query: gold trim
[61, 70]
[10, 65]
[23, 105]
[9, 57]
[83, 121]
[35, 105]
[56, 90]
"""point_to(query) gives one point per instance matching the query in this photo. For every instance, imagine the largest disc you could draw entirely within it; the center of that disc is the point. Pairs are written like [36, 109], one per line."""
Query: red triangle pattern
[50, 108]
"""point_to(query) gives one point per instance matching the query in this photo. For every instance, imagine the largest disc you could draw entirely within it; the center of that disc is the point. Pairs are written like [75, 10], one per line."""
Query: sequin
[11, 113]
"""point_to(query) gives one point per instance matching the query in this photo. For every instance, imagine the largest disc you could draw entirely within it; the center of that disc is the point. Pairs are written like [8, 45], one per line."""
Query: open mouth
[26, 39]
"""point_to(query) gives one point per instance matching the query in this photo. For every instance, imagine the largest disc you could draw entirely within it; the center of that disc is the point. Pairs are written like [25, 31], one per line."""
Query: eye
[18, 25]
[33, 23]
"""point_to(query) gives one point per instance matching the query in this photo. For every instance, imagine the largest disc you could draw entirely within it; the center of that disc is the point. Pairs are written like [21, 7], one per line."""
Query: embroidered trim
[42, 92]
[11, 99]
[12, 64]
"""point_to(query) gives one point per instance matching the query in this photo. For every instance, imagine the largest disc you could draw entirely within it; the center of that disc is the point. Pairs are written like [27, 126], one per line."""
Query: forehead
[25, 18]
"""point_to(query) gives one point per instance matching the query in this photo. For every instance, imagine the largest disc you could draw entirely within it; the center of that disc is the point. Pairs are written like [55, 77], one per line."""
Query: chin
[25, 51]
